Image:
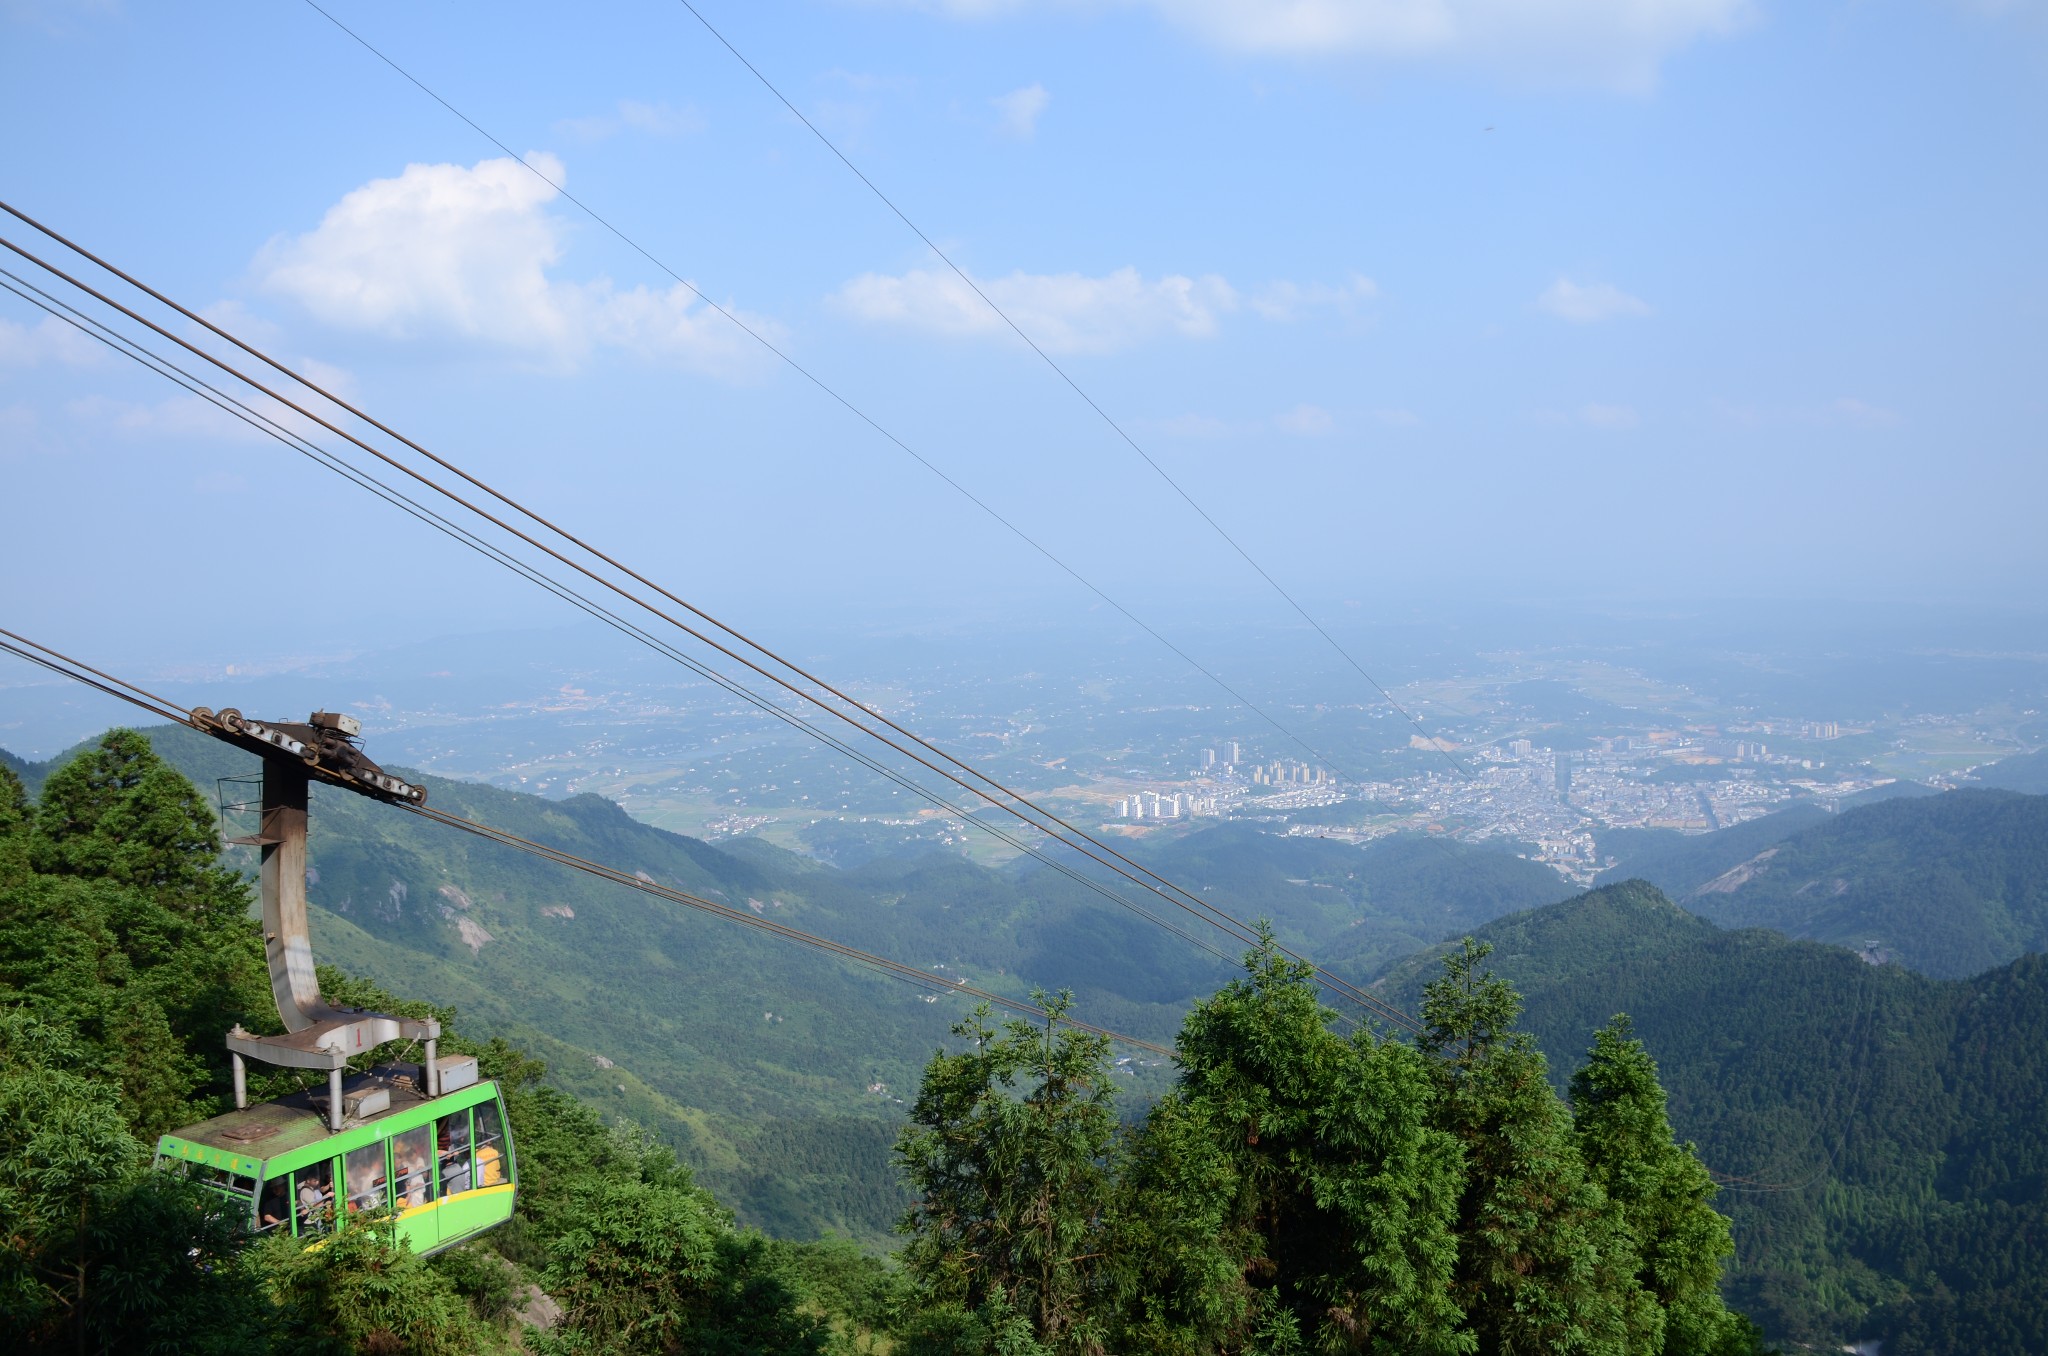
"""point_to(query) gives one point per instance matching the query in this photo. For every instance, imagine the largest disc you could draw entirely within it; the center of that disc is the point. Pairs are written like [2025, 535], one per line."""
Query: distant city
[1547, 802]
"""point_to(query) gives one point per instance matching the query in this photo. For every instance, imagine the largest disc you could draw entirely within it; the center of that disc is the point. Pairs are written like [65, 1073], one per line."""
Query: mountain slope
[1949, 885]
[31, 773]
[1677, 863]
[1889, 1125]
[2026, 772]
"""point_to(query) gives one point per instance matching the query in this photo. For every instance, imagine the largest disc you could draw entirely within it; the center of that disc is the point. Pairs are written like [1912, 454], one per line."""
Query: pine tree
[15, 810]
[1290, 1194]
[1661, 1189]
[1008, 1152]
[132, 829]
[1544, 1263]
[17, 815]
[121, 814]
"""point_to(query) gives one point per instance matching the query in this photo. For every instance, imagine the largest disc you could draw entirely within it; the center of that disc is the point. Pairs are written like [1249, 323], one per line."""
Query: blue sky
[1434, 299]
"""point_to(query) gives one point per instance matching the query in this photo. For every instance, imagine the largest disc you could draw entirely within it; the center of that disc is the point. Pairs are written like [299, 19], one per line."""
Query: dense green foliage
[1882, 1133]
[102, 1255]
[1301, 1190]
[123, 930]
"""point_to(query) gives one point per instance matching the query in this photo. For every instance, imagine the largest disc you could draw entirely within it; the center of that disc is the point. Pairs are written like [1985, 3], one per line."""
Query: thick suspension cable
[998, 794]
[64, 665]
[264, 424]
[325, 458]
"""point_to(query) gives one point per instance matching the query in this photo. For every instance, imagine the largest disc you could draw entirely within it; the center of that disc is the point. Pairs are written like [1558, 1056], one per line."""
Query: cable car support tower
[324, 748]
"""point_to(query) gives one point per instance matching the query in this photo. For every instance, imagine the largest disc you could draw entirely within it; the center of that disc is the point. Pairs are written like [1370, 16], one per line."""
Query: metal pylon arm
[317, 1036]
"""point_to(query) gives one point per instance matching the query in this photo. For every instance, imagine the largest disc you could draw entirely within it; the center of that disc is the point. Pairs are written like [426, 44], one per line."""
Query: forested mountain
[30, 773]
[1884, 1135]
[755, 1059]
[1948, 884]
[1294, 1189]
[1677, 862]
[1882, 1147]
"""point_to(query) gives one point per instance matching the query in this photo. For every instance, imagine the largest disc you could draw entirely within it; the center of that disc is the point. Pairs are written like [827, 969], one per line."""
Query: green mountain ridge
[1948, 885]
[1881, 1133]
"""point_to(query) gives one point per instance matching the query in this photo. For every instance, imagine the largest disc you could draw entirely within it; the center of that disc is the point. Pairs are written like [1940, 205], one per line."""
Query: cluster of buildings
[1554, 801]
[1287, 772]
[1227, 762]
[1171, 805]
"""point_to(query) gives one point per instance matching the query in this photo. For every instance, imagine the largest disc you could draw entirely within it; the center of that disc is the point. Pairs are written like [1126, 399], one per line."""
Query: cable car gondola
[429, 1141]
[443, 1164]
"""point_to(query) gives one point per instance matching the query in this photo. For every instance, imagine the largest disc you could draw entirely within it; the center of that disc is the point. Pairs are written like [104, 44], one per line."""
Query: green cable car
[443, 1164]
[428, 1141]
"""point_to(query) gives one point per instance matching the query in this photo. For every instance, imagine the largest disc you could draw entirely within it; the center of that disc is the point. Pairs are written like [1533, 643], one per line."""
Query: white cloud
[1309, 421]
[48, 340]
[444, 252]
[1289, 301]
[1587, 303]
[1074, 313]
[1019, 110]
[1062, 312]
[1609, 416]
[631, 115]
[1620, 43]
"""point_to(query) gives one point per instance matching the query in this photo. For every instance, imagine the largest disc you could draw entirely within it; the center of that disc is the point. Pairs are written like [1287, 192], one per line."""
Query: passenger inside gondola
[365, 1168]
[415, 1178]
[275, 1203]
[451, 1140]
[490, 1159]
[316, 1201]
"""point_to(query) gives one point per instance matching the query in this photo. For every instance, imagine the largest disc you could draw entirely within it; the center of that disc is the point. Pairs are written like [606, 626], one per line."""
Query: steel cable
[1076, 839]
[56, 662]
[364, 480]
